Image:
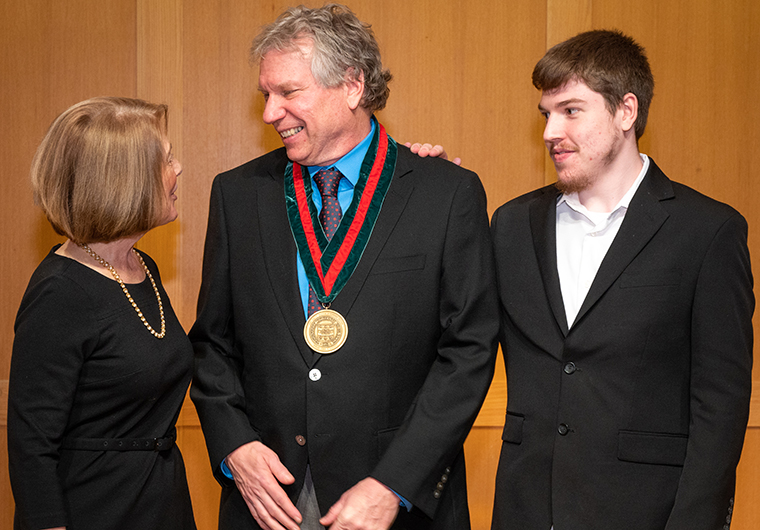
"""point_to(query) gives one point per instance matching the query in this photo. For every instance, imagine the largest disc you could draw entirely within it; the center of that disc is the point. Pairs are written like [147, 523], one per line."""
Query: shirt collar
[572, 200]
[351, 163]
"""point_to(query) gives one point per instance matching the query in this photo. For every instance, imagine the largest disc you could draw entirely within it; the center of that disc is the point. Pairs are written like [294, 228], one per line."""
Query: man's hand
[257, 470]
[369, 505]
[424, 150]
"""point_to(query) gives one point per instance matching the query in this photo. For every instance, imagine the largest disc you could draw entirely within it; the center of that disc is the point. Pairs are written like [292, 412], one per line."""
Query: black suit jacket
[634, 418]
[398, 399]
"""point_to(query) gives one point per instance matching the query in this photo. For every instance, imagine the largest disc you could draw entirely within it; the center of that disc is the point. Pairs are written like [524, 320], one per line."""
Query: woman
[100, 363]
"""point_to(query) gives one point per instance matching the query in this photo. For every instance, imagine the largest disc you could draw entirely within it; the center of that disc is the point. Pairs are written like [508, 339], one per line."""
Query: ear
[354, 87]
[630, 111]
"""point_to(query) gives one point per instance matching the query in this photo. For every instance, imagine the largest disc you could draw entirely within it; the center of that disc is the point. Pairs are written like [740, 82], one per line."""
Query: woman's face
[172, 169]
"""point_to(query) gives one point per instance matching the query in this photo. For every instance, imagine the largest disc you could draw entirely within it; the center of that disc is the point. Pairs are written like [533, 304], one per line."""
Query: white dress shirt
[583, 239]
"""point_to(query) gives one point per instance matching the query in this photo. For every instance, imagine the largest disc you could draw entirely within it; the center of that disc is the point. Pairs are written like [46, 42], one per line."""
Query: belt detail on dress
[121, 444]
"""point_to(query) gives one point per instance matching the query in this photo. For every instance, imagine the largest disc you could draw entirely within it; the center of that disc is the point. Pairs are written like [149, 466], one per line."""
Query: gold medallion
[325, 331]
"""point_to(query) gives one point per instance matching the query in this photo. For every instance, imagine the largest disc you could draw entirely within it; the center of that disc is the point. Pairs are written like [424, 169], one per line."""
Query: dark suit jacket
[398, 399]
[635, 417]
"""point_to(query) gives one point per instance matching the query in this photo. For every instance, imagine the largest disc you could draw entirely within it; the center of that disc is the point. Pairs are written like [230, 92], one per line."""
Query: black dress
[85, 367]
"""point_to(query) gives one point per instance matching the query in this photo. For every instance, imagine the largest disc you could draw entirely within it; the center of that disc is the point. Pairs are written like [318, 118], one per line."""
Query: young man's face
[583, 138]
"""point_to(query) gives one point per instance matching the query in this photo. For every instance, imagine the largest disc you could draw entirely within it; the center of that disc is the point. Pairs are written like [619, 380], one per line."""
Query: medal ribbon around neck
[329, 264]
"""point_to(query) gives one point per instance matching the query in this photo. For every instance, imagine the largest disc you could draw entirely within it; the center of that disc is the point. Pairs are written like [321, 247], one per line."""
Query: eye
[571, 111]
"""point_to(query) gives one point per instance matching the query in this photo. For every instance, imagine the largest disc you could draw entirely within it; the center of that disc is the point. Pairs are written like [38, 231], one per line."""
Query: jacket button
[439, 486]
[315, 375]
[437, 494]
[300, 440]
[563, 429]
[569, 368]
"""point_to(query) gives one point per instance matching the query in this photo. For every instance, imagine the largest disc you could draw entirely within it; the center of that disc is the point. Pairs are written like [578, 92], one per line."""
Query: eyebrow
[564, 103]
[285, 85]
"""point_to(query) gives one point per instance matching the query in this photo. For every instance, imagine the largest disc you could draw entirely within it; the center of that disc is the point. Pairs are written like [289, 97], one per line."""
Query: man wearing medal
[347, 319]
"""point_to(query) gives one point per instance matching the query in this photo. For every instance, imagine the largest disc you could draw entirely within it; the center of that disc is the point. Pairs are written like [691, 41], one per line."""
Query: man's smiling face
[316, 123]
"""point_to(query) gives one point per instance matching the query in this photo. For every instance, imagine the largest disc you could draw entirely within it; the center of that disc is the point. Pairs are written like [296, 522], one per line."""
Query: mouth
[560, 154]
[290, 132]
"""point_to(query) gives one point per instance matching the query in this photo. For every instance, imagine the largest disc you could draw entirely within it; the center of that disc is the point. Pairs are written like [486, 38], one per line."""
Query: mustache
[561, 147]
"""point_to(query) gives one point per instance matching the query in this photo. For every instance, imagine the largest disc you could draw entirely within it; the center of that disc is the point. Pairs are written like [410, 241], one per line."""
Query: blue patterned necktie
[327, 181]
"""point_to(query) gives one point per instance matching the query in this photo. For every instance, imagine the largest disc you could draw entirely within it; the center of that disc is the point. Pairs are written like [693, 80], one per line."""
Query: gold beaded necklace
[126, 292]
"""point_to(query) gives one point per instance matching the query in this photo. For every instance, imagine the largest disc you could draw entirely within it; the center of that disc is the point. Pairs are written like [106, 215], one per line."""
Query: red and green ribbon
[329, 264]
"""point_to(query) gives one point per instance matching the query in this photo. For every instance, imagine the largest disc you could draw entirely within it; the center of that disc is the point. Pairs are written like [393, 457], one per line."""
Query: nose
[552, 129]
[177, 166]
[273, 110]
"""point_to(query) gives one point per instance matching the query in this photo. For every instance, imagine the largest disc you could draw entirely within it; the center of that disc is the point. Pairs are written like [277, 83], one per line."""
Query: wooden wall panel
[222, 129]
[51, 57]
[52, 54]
[461, 78]
[158, 43]
[482, 449]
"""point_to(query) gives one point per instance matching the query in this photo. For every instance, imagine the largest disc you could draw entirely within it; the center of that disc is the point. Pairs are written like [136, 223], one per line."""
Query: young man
[626, 319]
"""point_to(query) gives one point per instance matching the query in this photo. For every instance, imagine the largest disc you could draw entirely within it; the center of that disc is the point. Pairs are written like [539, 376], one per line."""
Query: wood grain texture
[51, 57]
[482, 449]
[158, 44]
[204, 489]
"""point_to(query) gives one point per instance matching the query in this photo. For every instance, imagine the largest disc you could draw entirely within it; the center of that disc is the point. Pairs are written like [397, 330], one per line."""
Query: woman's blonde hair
[98, 173]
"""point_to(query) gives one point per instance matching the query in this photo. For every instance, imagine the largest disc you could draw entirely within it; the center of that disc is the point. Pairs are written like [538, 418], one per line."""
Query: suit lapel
[543, 225]
[279, 252]
[643, 219]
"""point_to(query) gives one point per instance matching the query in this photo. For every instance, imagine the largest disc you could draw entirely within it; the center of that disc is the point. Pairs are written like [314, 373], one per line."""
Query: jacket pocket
[400, 264]
[513, 428]
[650, 278]
[652, 448]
